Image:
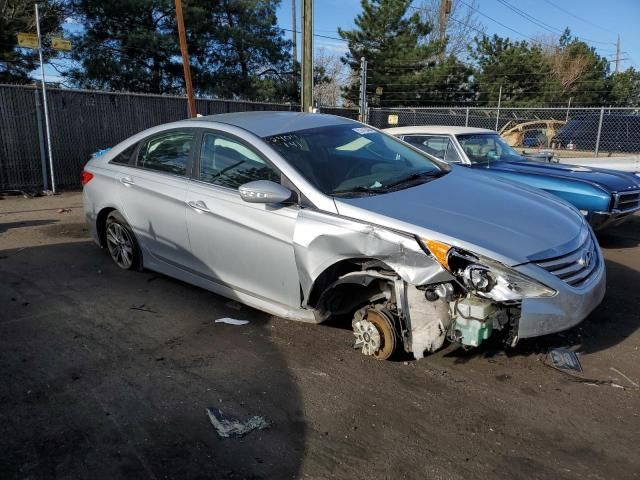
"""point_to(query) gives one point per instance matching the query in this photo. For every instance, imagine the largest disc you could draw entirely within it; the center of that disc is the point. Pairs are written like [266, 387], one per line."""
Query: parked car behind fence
[618, 133]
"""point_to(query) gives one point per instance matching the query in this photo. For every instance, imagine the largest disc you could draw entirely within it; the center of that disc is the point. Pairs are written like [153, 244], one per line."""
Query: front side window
[229, 163]
[352, 159]
[439, 146]
[486, 148]
[168, 152]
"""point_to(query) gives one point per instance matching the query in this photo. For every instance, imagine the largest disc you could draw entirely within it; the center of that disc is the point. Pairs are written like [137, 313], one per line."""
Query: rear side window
[168, 152]
[440, 147]
[124, 157]
[229, 163]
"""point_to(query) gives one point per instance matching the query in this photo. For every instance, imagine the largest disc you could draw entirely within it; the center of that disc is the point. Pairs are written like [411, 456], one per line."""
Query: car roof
[265, 124]
[441, 129]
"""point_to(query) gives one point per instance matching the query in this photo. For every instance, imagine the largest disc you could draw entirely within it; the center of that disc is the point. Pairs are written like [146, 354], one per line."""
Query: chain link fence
[570, 132]
[83, 122]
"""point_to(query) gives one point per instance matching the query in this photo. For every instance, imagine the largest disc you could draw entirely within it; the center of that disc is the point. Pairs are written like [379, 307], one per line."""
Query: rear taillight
[85, 177]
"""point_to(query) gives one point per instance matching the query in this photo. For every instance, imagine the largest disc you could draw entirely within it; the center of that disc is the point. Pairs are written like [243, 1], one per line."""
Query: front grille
[575, 267]
[627, 201]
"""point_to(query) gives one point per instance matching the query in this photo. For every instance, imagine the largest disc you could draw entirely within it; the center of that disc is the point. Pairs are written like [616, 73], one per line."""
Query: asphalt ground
[107, 374]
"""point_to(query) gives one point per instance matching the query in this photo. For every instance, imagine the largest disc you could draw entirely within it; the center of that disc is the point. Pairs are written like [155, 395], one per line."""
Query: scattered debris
[625, 377]
[232, 321]
[64, 210]
[228, 426]
[142, 308]
[564, 359]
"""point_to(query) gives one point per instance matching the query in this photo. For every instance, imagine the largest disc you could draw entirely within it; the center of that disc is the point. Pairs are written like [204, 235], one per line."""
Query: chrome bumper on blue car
[570, 306]
[624, 205]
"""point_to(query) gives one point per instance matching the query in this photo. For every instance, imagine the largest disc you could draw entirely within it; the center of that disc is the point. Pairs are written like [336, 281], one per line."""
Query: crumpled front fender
[321, 240]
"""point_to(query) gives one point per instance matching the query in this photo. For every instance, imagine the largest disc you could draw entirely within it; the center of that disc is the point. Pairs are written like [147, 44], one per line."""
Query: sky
[597, 22]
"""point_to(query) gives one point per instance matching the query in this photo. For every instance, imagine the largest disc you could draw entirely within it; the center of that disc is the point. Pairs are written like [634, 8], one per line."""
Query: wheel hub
[367, 337]
[120, 245]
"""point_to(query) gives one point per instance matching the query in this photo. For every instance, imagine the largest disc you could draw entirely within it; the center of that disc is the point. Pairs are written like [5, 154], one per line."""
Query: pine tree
[400, 62]
[236, 49]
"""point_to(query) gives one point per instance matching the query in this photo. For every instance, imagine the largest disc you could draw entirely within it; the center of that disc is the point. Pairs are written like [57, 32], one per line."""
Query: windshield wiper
[416, 176]
[359, 189]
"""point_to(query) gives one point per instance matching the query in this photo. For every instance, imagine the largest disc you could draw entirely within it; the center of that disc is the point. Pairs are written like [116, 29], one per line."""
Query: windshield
[486, 148]
[352, 159]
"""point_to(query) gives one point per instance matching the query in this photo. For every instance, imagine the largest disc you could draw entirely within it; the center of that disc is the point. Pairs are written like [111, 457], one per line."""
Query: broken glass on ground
[229, 426]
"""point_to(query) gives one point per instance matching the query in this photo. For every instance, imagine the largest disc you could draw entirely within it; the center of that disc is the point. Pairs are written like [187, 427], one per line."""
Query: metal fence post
[498, 112]
[599, 131]
[43, 155]
[466, 118]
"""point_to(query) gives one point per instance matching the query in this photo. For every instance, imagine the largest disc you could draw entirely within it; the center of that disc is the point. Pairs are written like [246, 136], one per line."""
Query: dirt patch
[66, 230]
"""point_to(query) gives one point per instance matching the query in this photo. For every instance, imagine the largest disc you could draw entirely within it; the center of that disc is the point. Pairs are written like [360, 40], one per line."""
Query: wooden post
[307, 55]
[182, 35]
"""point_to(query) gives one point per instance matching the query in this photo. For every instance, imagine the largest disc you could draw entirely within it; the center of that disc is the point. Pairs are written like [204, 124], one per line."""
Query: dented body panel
[321, 240]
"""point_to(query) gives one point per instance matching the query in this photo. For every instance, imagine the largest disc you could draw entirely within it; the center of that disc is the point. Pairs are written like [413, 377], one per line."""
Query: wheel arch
[101, 224]
[345, 284]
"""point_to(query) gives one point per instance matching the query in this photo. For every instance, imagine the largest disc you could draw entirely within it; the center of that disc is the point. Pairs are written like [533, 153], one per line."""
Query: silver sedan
[306, 216]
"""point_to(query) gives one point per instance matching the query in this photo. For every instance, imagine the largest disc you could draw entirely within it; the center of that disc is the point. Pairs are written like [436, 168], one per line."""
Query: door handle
[127, 181]
[198, 206]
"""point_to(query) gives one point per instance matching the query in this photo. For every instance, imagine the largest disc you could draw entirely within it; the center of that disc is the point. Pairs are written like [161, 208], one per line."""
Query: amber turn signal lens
[439, 250]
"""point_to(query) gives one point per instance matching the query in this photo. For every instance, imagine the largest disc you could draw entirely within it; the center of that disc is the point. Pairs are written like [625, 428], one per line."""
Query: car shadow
[110, 371]
[626, 235]
[610, 323]
[5, 227]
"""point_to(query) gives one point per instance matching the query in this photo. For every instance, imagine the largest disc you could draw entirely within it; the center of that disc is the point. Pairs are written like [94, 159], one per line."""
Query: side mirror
[264, 191]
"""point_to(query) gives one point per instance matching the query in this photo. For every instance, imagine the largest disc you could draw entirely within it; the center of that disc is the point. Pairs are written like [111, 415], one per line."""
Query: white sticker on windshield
[363, 130]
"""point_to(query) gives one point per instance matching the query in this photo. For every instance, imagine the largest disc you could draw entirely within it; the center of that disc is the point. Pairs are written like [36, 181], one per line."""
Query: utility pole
[182, 35]
[443, 18]
[618, 54]
[362, 106]
[307, 55]
[294, 38]
[44, 101]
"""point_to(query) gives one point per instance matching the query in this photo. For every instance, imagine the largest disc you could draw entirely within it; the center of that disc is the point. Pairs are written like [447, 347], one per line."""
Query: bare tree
[331, 76]
[456, 29]
[567, 65]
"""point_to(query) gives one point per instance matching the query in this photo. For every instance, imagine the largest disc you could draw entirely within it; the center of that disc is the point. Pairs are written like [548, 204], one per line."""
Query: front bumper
[570, 306]
[601, 220]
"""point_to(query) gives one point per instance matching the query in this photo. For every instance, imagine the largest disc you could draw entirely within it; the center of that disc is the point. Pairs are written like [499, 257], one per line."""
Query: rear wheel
[121, 243]
[375, 332]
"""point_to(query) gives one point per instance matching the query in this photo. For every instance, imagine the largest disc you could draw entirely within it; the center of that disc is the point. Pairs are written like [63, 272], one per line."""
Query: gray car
[308, 216]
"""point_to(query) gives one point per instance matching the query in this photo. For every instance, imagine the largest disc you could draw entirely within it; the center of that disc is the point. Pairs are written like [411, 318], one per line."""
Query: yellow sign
[378, 90]
[392, 120]
[59, 43]
[28, 40]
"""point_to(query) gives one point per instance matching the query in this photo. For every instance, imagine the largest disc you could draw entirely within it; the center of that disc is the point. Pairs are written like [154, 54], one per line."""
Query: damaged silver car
[308, 216]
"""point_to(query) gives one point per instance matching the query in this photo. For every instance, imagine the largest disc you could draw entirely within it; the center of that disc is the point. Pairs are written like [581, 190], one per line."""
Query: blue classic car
[604, 197]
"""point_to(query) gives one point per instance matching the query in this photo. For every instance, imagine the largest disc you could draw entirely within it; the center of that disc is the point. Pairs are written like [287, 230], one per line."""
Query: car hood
[609, 180]
[490, 216]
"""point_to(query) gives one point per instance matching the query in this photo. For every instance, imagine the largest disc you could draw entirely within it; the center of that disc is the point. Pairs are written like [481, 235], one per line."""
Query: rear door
[245, 246]
[154, 190]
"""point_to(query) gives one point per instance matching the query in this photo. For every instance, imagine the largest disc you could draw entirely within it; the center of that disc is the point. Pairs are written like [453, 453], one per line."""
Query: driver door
[244, 246]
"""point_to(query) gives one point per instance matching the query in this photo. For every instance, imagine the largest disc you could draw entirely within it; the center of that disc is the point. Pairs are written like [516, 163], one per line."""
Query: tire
[121, 243]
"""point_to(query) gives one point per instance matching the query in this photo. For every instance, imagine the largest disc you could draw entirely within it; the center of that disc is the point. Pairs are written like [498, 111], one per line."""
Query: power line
[544, 25]
[568, 12]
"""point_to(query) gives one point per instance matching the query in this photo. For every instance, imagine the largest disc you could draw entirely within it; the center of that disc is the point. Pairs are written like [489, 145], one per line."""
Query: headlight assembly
[485, 277]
